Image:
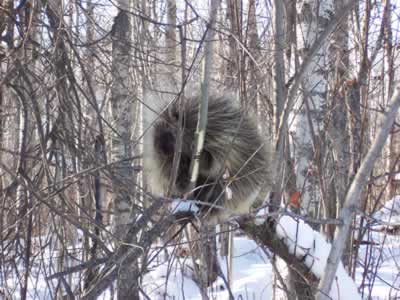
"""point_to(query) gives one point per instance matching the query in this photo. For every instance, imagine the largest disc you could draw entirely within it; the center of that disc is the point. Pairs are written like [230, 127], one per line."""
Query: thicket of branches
[75, 76]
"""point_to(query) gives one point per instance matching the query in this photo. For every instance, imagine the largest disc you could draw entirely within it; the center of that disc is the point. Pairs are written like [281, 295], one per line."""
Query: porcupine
[235, 158]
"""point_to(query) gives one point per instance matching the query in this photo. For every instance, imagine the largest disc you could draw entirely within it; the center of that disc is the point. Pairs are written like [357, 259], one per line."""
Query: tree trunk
[233, 15]
[308, 125]
[394, 146]
[338, 128]
[122, 115]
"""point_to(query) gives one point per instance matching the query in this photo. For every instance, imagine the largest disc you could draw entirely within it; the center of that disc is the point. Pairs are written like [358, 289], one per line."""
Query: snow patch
[390, 212]
[310, 246]
[252, 277]
[179, 205]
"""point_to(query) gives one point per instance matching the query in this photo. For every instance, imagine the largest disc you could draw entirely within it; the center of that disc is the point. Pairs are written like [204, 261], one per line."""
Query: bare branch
[305, 69]
[203, 111]
[353, 196]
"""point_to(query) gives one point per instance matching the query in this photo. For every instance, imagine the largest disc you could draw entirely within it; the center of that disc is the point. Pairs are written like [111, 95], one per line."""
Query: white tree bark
[121, 110]
[166, 79]
[314, 16]
[122, 107]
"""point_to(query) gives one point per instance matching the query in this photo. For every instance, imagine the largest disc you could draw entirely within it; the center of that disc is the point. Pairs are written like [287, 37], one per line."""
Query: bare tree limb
[203, 110]
[127, 252]
[206, 256]
[353, 196]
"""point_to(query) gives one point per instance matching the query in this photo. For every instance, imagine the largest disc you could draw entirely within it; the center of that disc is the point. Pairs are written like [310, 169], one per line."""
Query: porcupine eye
[206, 161]
[173, 113]
[165, 141]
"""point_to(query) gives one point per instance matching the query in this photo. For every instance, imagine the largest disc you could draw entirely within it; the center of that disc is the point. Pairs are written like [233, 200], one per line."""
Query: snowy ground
[251, 277]
[382, 275]
[252, 274]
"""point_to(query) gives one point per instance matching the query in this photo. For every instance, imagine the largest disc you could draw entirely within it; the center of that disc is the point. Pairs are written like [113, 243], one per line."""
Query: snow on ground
[389, 215]
[43, 264]
[252, 271]
[379, 267]
[378, 271]
[251, 277]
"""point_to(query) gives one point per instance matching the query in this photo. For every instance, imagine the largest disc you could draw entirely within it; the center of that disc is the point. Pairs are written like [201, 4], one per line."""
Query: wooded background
[75, 77]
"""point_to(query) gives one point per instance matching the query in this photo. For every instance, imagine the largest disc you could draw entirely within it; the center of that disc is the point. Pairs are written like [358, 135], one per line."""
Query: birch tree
[394, 144]
[122, 115]
[71, 81]
[308, 124]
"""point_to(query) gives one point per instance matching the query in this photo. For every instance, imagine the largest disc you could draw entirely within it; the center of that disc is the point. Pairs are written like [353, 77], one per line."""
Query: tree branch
[305, 69]
[353, 196]
[203, 109]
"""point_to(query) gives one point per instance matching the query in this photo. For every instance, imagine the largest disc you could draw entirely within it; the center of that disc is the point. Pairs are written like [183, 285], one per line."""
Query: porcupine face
[165, 136]
[232, 147]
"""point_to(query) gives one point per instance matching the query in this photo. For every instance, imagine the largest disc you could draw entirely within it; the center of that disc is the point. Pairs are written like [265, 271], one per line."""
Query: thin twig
[353, 197]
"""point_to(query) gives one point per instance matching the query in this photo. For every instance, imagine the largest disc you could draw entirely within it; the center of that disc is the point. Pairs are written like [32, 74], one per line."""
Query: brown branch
[265, 235]
[126, 254]
[353, 196]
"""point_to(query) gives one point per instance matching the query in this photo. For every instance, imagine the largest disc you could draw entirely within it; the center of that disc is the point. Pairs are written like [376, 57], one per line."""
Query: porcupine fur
[232, 147]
